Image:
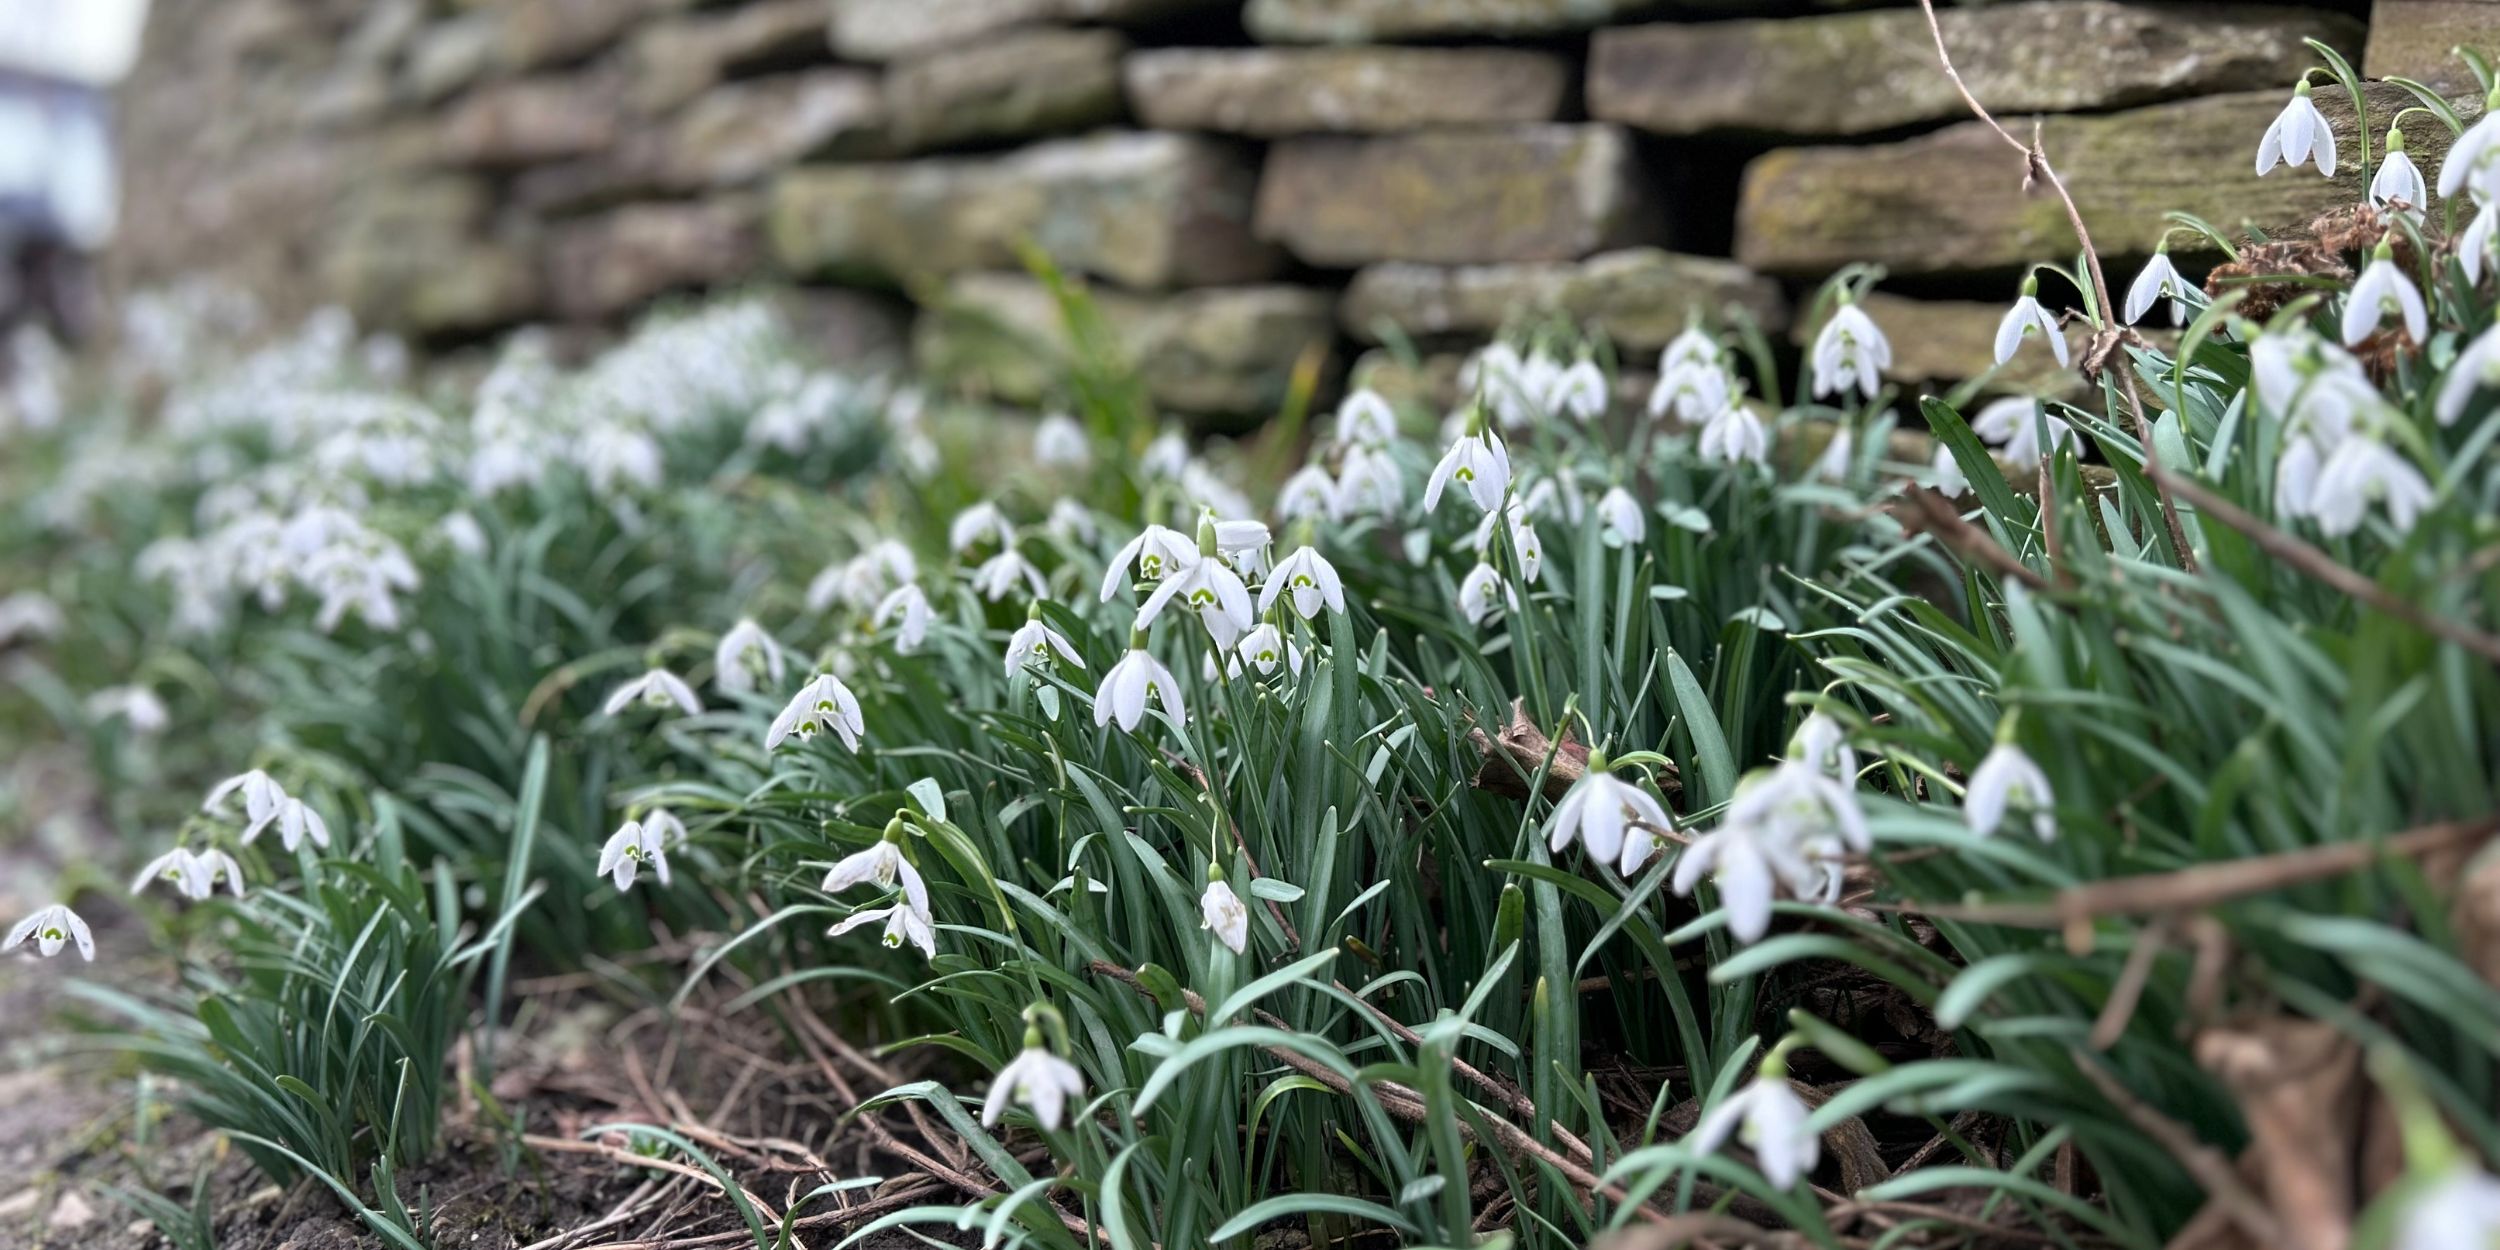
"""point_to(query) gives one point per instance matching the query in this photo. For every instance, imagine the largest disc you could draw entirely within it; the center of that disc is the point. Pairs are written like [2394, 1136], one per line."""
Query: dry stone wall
[1251, 187]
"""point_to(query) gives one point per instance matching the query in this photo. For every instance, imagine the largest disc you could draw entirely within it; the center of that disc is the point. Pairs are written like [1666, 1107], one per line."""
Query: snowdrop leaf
[1274, 890]
[930, 796]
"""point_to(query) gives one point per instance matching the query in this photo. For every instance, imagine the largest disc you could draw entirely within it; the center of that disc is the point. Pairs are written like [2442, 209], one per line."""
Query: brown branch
[2036, 168]
[1926, 511]
[2221, 1181]
[2320, 566]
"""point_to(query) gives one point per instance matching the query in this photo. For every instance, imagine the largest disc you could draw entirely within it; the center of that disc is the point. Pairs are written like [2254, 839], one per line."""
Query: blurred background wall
[1243, 182]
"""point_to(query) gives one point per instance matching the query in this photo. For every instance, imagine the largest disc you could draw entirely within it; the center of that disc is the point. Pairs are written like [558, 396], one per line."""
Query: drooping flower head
[746, 657]
[823, 705]
[1850, 353]
[2159, 280]
[1125, 689]
[656, 688]
[1477, 462]
[50, 929]
[2026, 318]
[1310, 581]
[1771, 1120]
[2298, 133]
[629, 849]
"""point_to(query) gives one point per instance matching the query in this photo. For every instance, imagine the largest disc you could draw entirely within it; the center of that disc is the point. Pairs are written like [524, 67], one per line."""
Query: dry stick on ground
[1408, 1105]
[618, 1154]
[2322, 567]
[1943, 520]
[2036, 169]
[1509, 1096]
[2129, 989]
[2221, 1180]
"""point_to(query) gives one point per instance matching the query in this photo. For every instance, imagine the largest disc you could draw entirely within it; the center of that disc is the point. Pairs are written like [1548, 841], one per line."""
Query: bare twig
[2221, 1181]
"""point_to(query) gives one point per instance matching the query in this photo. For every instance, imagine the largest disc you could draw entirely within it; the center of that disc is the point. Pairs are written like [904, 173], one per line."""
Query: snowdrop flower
[1522, 536]
[461, 532]
[2474, 158]
[1166, 457]
[1693, 392]
[1945, 475]
[1821, 744]
[1059, 442]
[1849, 352]
[910, 608]
[28, 614]
[49, 930]
[1156, 553]
[2474, 245]
[195, 876]
[1694, 349]
[1600, 810]
[1311, 581]
[261, 799]
[981, 520]
[2459, 1211]
[1476, 593]
[1207, 587]
[1040, 1080]
[295, 821]
[1770, 1119]
[2363, 471]
[1553, 496]
[1263, 649]
[2158, 281]
[1833, 464]
[1122, 695]
[138, 707]
[2025, 317]
[2298, 133]
[2008, 779]
[2381, 289]
[823, 705]
[902, 924]
[1579, 391]
[1003, 575]
[2013, 425]
[1033, 643]
[1245, 540]
[1310, 492]
[656, 688]
[629, 848]
[1478, 462]
[1369, 482]
[1624, 522]
[746, 657]
[2398, 181]
[612, 456]
[864, 579]
[1734, 434]
[1223, 911]
[2476, 368]
[1783, 828]
[883, 866]
[1365, 419]
[1070, 522]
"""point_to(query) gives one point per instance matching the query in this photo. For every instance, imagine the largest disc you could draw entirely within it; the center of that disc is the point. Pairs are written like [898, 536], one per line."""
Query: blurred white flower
[1850, 352]
[1223, 911]
[1059, 442]
[461, 532]
[1579, 391]
[2476, 368]
[1786, 827]
[2363, 471]
[655, 688]
[1822, 744]
[28, 614]
[1833, 464]
[138, 707]
[2025, 318]
[2474, 244]
[1310, 492]
[823, 705]
[2383, 289]
[1156, 552]
[1004, 574]
[981, 520]
[1481, 590]
[1479, 463]
[613, 457]
[1264, 648]
[746, 658]
[1033, 643]
[261, 799]
[902, 924]
[1945, 474]
[50, 929]
[2298, 133]
[1693, 391]
[2473, 161]
[908, 610]
[1365, 419]
[2158, 281]
[1166, 457]
[1770, 1119]
[1041, 1081]
[1369, 483]
[1122, 695]
[1733, 435]
[2458, 1211]
[195, 876]
[865, 579]
[1311, 581]
[1599, 811]
[1625, 524]
[883, 866]
[632, 846]
[296, 821]
[2013, 426]
[2004, 781]
[1070, 522]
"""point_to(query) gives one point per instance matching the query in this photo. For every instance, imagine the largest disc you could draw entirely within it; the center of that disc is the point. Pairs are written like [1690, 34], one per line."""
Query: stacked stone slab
[1253, 191]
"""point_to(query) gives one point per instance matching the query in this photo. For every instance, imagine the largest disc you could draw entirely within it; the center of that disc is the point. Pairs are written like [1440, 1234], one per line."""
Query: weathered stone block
[1640, 298]
[1546, 192]
[845, 327]
[535, 33]
[878, 30]
[1141, 209]
[677, 60]
[2413, 38]
[1953, 200]
[603, 266]
[1855, 73]
[530, 120]
[745, 130]
[419, 257]
[1219, 351]
[449, 56]
[1272, 92]
[1043, 80]
[1384, 21]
